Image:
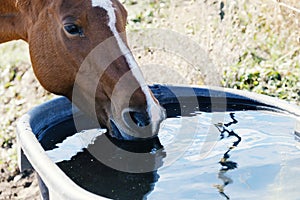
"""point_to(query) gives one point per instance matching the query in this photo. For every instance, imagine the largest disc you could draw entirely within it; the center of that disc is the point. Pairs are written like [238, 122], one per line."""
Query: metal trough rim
[67, 189]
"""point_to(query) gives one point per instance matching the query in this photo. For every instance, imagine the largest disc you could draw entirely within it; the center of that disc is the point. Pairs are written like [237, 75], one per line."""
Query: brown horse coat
[78, 49]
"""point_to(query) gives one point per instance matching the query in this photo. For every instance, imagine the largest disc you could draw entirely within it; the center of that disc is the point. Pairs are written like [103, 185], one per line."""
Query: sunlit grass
[255, 46]
[268, 39]
[19, 92]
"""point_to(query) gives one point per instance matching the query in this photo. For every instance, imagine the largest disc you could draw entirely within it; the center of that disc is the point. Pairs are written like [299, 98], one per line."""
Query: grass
[269, 60]
[19, 91]
[253, 45]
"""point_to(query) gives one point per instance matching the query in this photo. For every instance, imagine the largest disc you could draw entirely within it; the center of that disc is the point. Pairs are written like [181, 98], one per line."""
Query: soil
[16, 185]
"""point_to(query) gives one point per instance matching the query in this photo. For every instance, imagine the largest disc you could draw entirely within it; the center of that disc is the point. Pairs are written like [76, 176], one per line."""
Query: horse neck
[12, 22]
[17, 16]
[8, 6]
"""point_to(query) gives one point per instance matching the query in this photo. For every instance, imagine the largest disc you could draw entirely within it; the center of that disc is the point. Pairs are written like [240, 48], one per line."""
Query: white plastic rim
[48, 171]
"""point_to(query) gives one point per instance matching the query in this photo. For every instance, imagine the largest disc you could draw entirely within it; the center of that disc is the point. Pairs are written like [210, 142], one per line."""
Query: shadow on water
[91, 174]
[87, 171]
[226, 164]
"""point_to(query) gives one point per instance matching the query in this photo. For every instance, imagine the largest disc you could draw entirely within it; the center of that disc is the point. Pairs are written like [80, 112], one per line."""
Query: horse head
[78, 49]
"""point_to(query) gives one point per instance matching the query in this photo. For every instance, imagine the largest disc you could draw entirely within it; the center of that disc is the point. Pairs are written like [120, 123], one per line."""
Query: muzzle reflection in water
[92, 175]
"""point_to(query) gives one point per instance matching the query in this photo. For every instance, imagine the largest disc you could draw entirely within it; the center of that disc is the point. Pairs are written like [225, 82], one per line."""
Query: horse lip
[115, 132]
[118, 133]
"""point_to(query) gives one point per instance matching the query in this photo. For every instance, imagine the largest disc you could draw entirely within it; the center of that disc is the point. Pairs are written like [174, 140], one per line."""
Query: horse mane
[13, 6]
[22, 3]
[8, 6]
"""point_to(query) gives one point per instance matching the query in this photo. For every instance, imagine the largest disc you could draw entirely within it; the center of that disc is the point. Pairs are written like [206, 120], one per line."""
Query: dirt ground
[13, 184]
[18, 185]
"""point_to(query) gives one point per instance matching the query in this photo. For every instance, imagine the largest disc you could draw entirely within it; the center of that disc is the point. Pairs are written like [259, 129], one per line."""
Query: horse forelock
[153, 109]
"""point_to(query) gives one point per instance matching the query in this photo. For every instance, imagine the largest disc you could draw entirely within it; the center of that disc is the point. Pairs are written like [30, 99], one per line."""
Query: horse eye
[74, 29]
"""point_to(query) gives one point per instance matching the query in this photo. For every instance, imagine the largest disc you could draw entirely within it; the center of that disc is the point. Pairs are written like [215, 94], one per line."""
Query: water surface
[255, 156]
[241, 155]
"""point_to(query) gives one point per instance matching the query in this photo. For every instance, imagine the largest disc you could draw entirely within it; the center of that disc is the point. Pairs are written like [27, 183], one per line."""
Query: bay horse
[61, 35]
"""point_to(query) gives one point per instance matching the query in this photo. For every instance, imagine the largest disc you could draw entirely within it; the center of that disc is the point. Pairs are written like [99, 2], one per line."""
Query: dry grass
[19, 91]
[256, 41]
[267, 41]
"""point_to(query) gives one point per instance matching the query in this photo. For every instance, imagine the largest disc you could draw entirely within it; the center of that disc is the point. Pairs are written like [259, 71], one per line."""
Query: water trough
[50, 123]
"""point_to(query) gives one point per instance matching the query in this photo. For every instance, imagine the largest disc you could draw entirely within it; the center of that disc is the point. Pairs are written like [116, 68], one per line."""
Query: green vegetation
[19, 91]
[256, 45]
[269, 62]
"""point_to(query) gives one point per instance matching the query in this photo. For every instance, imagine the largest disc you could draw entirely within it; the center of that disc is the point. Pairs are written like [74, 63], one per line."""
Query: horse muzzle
[137, 125]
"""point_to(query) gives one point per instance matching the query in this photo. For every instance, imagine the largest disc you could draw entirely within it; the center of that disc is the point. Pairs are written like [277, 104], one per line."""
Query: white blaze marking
[153, 109]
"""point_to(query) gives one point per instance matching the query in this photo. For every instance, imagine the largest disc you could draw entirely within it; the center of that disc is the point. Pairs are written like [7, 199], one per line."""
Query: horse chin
[120, 134]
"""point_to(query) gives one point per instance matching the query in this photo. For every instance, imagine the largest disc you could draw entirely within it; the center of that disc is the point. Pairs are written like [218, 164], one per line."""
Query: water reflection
[267, 160]
[227, 164]
[94, 176]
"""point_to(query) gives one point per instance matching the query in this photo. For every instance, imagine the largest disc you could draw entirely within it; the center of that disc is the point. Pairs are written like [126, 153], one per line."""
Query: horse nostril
[141, 119]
